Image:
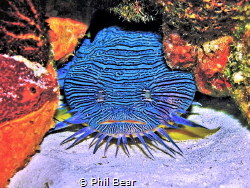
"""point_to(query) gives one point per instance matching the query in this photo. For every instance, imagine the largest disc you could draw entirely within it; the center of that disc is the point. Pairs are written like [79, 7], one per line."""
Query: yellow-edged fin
[187, 133]
[60, 114]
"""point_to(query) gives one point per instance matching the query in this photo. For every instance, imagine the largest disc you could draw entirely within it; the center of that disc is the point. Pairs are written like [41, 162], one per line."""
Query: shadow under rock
[222, 104]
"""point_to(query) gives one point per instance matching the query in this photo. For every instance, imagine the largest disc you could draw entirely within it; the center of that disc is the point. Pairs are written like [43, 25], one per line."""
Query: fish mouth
[121, 121]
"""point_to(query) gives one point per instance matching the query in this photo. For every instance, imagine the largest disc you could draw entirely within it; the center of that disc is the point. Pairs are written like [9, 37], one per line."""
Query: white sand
[221, 160]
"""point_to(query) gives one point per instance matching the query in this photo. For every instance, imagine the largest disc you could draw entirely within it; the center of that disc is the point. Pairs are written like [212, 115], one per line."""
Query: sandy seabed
[220, 160]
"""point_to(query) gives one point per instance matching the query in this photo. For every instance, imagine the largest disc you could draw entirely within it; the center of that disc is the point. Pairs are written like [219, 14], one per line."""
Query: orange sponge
[64, 35]
[28, 100]
[20, 138]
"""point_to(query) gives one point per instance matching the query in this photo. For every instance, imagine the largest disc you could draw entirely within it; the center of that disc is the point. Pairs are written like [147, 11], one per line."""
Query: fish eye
[33, 90]
[147, 95]
[100, 95]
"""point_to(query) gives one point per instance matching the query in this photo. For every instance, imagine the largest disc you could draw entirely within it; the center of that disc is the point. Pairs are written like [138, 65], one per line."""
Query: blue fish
[120, 86]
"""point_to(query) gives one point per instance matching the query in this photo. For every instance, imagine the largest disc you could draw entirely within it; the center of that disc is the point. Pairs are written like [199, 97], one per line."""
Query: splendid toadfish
[120, 87]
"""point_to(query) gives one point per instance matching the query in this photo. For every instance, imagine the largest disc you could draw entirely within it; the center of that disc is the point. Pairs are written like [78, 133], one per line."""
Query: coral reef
[202, 20]
[209, 38]
[63, 35]
[211, 63]
[238, 71]
[218, 53]
[23, 30]
[135, 11]
[207, 62]
[179, 53]
[28, 84]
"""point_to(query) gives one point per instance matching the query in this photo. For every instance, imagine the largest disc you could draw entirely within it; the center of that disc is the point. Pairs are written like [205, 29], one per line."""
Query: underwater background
[208, 39]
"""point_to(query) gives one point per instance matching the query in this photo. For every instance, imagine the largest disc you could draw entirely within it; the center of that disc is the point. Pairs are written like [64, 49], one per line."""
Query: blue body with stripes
[121, 87]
